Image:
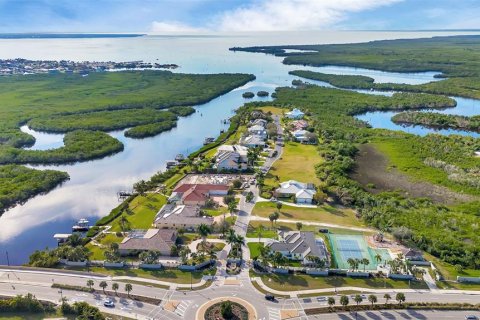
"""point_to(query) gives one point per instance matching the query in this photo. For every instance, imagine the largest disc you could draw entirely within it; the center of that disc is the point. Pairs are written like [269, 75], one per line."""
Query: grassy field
[306, 282]
[274, 110]
[169, 275]
[324, 213]
[254, 249]
[297, 163]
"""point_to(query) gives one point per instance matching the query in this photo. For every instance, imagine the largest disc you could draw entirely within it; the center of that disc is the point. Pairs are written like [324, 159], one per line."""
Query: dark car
[269, 297]
[323, 230]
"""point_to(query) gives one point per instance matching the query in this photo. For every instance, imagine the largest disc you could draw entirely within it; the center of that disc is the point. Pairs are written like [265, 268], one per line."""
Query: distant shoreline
[67, 35]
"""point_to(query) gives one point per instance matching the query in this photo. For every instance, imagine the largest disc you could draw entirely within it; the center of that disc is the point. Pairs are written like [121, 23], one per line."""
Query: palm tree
[103, 285]
[387, 297]
[378, 258]
[344, 301]
[351, 262]
[358, 299]
[232, 207]
[279, 206]
[90, 283]
[400, 297]
[271, 217]
[128, 288]
[365, 262]
[372, 298]
[204, 231]
[184, 252]
[265, 254]
[115, 287]
[299, 226]
[231, 237]
[278, 259]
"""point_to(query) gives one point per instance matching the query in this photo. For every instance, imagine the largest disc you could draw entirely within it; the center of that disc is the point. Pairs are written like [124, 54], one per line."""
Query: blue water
[91, 191]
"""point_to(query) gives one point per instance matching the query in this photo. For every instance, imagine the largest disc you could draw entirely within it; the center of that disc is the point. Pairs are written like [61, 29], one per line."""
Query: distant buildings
[160, 240]
[231, 158]
[302, 192]
[299, 246]
[295, 114]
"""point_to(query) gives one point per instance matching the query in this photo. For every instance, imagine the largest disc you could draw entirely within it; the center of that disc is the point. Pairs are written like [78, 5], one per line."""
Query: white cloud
[278, 15]
[174, 27]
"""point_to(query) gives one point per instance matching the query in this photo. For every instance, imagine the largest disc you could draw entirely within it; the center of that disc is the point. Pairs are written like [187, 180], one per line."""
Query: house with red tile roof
[197, 194]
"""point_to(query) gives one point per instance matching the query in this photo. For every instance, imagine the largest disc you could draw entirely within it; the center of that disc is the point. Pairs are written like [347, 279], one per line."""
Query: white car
[109, 303]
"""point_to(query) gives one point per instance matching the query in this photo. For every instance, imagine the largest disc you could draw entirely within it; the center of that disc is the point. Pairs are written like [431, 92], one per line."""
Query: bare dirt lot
[372, 168]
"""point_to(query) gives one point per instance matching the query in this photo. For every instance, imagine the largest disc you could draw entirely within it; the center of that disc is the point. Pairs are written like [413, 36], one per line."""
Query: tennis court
[345, 247]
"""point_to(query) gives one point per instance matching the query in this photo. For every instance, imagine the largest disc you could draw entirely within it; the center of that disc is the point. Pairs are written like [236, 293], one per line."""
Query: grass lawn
[97, 252]
[306, 282]
[268, 232]
[217, 246]
[324, 213]
[186, 238]
[254, 249]
[297, 163]
[273, 110]
[28, 316]
[170, 275]
[144, 209]
[216, 212]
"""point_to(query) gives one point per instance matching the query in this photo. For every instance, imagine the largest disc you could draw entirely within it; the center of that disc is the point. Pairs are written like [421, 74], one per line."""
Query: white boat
[81, 226]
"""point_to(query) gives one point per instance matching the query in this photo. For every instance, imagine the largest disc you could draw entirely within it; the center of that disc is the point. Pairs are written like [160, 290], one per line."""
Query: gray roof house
[258, 130]
[298, 245]
[253, 141]
[231, 157]
[260, 122]
[160, 240]
[303, 192]
[181, 216]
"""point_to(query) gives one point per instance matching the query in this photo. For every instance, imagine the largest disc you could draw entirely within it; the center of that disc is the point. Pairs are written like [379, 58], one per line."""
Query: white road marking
[273, 314]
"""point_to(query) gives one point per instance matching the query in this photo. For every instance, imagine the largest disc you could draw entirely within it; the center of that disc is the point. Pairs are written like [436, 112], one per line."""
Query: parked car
[471, 317]
[109, 303]
[269, 297]
[323, 230]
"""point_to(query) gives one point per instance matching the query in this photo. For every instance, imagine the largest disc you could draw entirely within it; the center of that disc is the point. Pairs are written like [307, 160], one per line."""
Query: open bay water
[91, 191]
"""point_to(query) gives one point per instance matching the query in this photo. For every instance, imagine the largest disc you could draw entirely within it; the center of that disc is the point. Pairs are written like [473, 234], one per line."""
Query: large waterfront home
[181, 216]
[258, 130]
[160, 240]
[196, 194]
[231, 158]
[253, 141]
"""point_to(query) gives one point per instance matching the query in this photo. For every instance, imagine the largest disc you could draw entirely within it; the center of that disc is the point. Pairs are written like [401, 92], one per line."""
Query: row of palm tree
[355, 263]
[344, 300]
[267, 257]
[235, 241]
[115, 286]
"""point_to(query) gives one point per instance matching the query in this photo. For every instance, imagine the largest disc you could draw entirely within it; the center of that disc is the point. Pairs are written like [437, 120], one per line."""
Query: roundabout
[213, 309]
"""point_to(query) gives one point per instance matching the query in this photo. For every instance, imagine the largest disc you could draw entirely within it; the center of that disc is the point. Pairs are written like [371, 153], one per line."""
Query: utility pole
[8, 260]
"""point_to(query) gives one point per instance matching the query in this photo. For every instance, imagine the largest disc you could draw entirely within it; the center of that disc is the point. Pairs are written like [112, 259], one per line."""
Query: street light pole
[8, 260]
[191, 281]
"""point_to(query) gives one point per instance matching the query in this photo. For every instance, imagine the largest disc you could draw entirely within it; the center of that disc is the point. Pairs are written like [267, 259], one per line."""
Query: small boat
[222, 131]
[208, 140]
[81, 226]
[180, 157]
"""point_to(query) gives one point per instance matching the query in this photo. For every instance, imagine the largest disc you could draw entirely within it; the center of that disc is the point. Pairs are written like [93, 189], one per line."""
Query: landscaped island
[86, 108]
[438, 120]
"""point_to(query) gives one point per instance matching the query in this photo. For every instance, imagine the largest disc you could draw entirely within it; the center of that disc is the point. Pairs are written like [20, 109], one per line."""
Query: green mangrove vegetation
[83, 107]
[18, 183]
[438, 120]
[450, 232]
[456, 58]
[79, 145]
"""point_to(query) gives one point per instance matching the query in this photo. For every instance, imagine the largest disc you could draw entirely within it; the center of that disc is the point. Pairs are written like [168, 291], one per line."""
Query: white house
[258, 130]
[295, 114]
[303, 192]
[300, 135]
[253, 141]
[296, 245]
[231, 157]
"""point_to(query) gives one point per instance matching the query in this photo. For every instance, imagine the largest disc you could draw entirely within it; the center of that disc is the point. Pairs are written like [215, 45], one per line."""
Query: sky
[225, 16]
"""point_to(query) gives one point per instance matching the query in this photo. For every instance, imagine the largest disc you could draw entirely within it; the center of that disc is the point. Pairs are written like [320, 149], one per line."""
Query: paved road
[400, 314]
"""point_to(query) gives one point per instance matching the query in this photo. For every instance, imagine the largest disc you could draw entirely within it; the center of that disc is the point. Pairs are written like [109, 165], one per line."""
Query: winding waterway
[91, 191]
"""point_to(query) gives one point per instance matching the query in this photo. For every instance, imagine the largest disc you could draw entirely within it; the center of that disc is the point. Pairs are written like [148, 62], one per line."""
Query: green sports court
[345, 247]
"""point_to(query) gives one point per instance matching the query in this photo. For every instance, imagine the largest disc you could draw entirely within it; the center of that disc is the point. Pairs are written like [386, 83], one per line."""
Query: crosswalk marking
[182, 307]
[273, 314]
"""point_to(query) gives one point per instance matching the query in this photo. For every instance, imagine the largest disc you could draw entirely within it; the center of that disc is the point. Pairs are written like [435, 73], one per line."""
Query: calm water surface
[91, 191]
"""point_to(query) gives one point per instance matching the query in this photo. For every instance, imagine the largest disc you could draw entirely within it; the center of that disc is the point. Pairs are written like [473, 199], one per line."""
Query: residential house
[231, 157]
[299, 125]
[413, 255]
[295, 114]
[181, 216]
[160, 240]
[253, 141]
[258, 130]
[301, 135]
[259, 122]
[196, 194]
[303, 192]
[298, 246]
